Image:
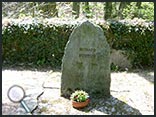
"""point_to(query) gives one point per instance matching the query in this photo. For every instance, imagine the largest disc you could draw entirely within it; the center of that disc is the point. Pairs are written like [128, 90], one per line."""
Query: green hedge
[42, 43]
[136, 38]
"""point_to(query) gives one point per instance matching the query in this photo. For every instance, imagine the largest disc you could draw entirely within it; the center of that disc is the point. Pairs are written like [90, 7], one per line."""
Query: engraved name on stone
[87, 52]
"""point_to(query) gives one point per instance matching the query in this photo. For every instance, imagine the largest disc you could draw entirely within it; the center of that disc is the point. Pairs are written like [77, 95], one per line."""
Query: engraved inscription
[86, 55]
[87, 49]
[87, 52]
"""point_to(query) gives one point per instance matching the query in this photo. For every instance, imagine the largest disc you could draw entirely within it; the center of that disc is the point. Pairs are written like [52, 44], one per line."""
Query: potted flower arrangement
[80, 99]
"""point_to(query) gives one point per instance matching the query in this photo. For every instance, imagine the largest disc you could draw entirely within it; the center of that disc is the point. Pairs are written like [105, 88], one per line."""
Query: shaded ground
[132, 93]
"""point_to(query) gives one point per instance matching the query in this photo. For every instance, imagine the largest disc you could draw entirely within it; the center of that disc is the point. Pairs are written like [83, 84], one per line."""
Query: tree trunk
[87, 10]
[54, 9]
[76, 9]
[138, 14]
[107, 10]
[121, 8]
[32, 7]
[33, 10]
[49, 9]
[138, 4]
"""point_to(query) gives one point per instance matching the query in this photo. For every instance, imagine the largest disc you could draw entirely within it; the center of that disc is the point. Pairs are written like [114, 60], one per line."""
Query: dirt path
[132, 93]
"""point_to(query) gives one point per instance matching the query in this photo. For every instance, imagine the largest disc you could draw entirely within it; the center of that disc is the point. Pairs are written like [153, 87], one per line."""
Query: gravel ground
[132, 93]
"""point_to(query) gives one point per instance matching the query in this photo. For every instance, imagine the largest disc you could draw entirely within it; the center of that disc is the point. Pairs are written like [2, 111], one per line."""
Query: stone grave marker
[86, 62]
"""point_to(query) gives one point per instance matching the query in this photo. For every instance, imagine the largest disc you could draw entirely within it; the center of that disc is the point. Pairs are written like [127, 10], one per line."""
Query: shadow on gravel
[145, 73]
[30, 68]
[110, 106]
[149, 77]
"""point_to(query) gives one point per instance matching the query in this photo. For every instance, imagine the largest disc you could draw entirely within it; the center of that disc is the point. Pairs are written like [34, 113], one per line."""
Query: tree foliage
[76, 9]
[69, 10]
[145, 11]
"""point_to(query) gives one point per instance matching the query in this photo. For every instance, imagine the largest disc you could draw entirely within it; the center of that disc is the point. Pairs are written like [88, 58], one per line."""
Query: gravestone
[86, 61]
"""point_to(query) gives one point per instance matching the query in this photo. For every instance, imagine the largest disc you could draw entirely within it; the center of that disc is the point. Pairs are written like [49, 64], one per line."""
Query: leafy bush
[34, 43]
[41, 43]
[137, 39]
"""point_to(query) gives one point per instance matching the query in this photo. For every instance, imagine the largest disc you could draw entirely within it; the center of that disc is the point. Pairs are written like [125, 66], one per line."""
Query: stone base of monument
[80, 105]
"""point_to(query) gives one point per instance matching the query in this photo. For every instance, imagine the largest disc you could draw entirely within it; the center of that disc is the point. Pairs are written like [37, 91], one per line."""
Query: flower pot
[80, 104]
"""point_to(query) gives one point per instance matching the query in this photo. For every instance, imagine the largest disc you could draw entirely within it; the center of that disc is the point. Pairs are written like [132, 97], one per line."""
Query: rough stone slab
[86, 61]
